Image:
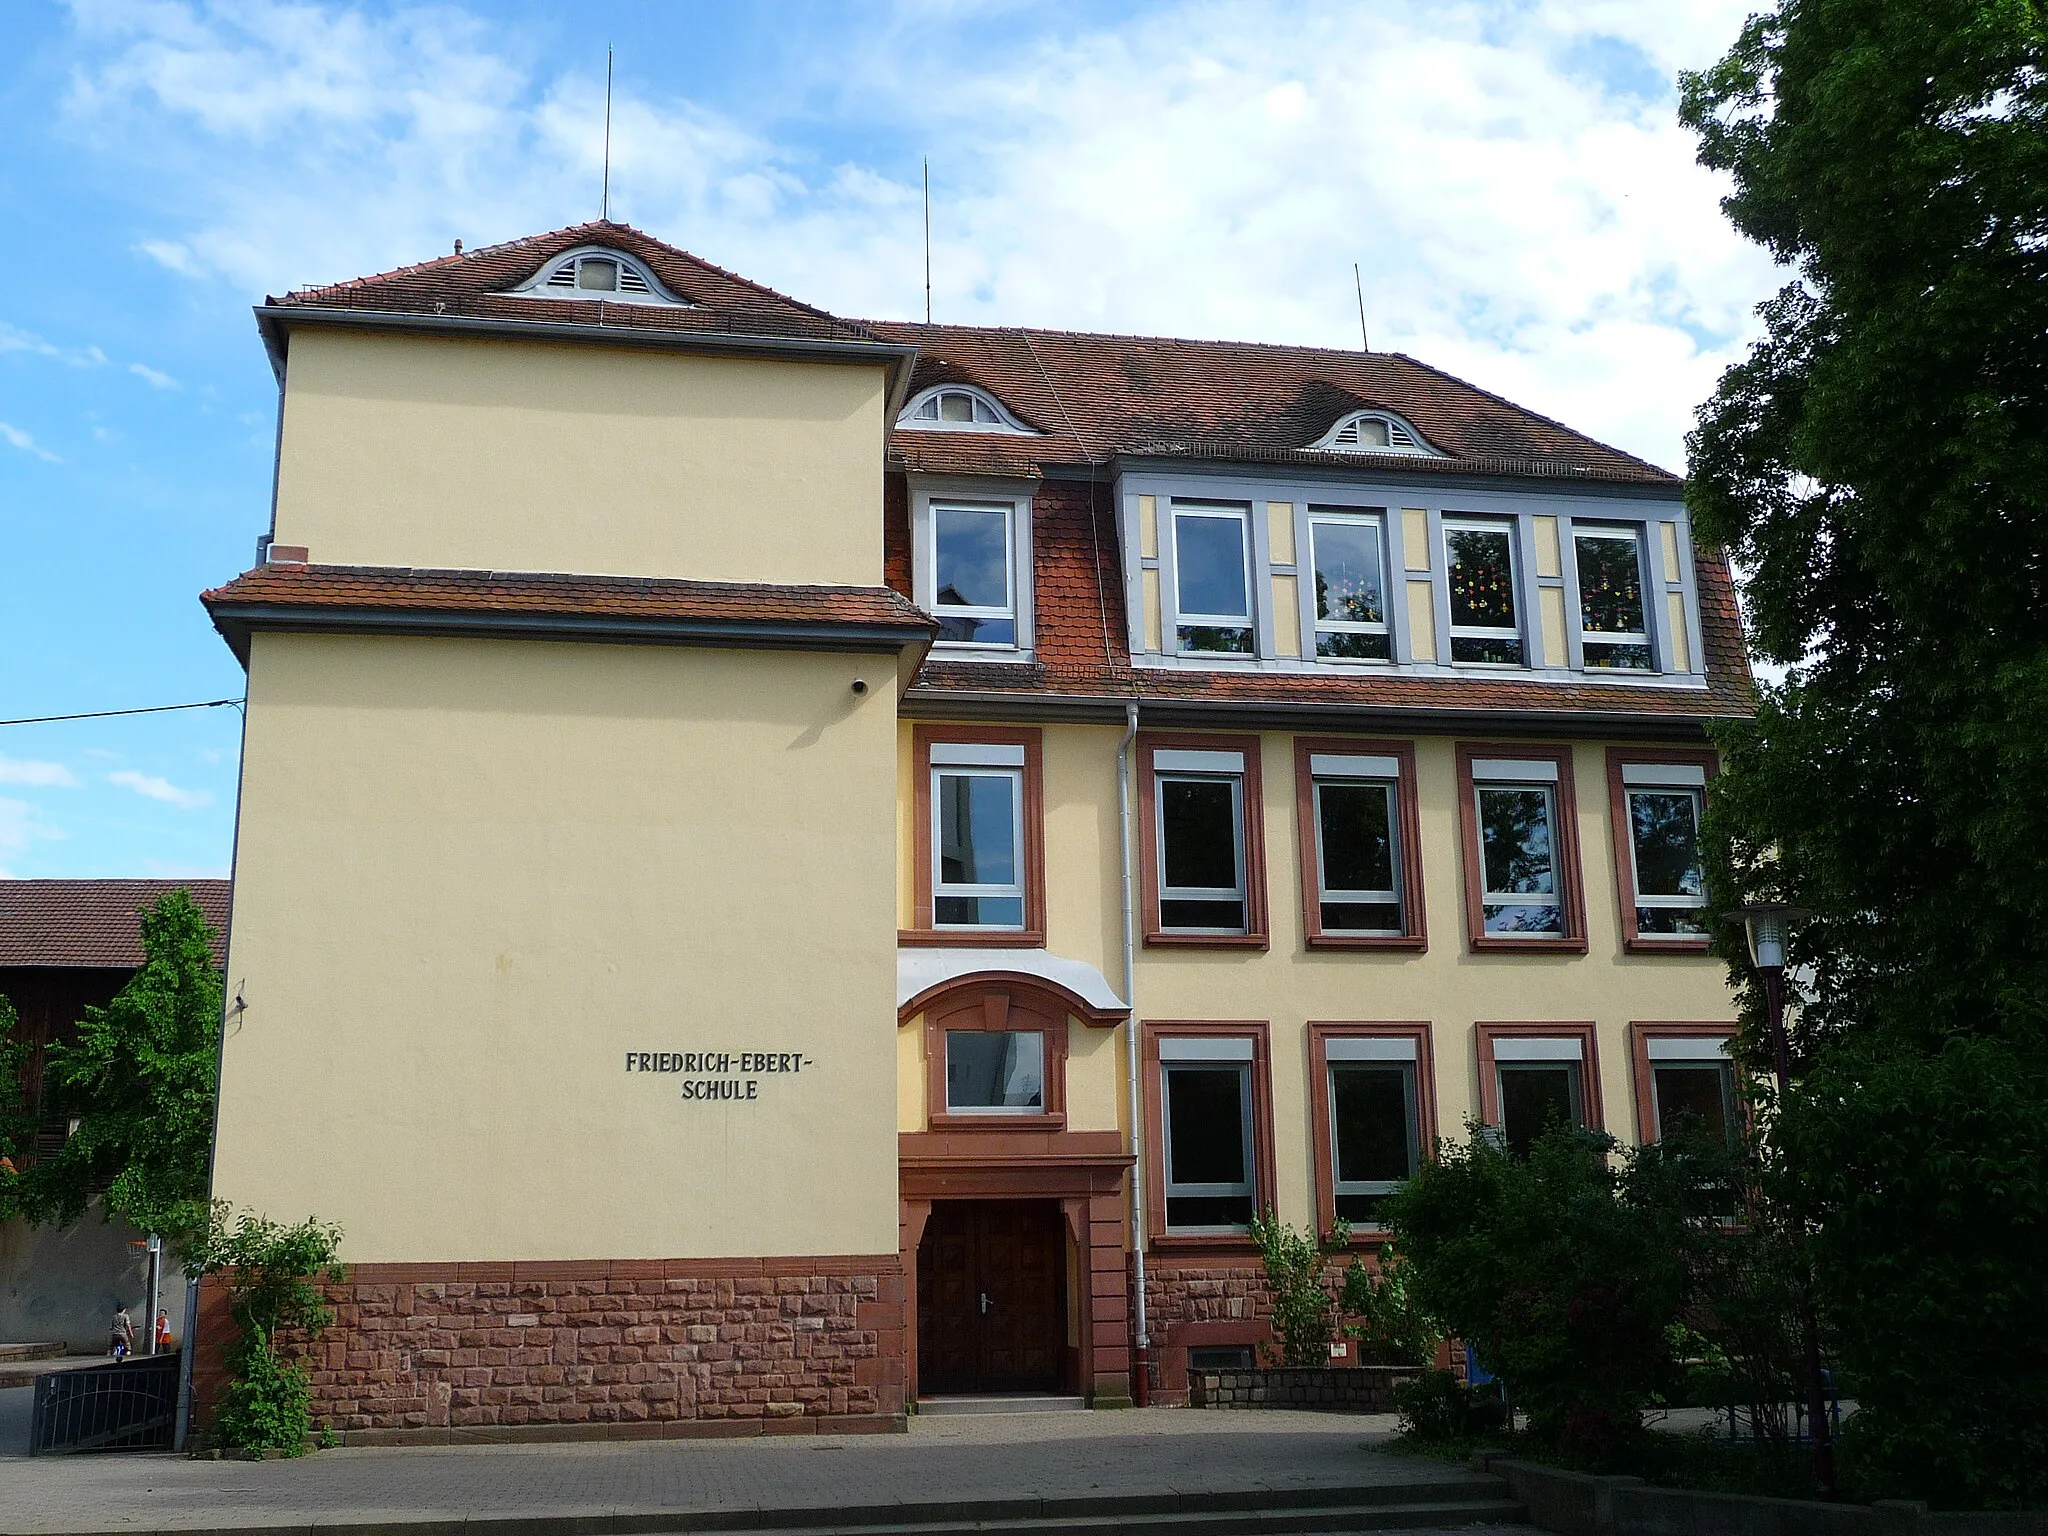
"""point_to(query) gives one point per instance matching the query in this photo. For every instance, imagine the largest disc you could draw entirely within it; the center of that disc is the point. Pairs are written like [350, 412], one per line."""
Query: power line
[101, 714]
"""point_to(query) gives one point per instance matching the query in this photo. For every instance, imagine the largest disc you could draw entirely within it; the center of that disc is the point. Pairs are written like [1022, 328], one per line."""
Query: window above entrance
[995, 1056]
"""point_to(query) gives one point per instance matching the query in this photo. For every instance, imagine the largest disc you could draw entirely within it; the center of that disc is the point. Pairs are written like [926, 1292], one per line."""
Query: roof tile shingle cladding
[93, 923]
[1095, 399]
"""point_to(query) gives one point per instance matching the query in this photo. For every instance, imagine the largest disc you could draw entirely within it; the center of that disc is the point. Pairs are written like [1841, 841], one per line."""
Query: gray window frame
[1241, 894]
[1207, 1055]
[1014, 773]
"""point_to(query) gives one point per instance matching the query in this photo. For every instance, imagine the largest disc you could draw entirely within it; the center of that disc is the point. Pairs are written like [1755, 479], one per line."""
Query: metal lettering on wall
[719, 1075]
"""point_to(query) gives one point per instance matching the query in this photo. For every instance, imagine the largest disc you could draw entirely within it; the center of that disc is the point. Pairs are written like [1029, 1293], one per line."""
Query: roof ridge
[451, 258]
[1179, 341]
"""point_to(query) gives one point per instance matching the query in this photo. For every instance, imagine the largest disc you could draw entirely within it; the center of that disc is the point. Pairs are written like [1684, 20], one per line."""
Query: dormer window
[598, 273]
[1373, 432]
[958, 408]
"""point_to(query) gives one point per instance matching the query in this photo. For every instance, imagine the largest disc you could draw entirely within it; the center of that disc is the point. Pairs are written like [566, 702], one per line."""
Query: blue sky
[1507, 174]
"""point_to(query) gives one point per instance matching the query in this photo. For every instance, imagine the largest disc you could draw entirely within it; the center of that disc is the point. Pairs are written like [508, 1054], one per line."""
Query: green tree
[1878, 467]
[139, 1079]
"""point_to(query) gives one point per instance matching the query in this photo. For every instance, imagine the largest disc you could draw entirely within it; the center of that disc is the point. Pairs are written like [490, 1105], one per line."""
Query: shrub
[1390, 1329]
[1566, 1275]
[1304, 1312]
[1435, 1406]
[269, 1270]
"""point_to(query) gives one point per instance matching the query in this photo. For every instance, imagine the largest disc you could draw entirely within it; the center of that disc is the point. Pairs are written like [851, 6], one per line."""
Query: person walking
[123, 1338]
[163, 1332]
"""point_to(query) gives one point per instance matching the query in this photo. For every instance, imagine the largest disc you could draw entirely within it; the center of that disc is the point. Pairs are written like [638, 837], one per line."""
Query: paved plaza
[1018, 1456]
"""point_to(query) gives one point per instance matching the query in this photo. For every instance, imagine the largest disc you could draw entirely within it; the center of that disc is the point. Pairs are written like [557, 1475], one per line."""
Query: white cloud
[20, 825]
[153, 378]
[28, 771]
[14, 339]
[26, 443]
[1509, 176]
[155, 788]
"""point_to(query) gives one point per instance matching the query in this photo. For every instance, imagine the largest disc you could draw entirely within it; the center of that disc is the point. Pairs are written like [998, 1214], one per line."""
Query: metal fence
[127, 1405]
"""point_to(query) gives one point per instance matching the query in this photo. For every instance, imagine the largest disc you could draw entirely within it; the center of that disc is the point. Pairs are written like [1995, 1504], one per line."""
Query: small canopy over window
[598, 272]
[958, 408]
[1374, 432]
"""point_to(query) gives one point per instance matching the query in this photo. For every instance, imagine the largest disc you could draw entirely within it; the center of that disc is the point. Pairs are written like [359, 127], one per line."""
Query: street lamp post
[1766, 923]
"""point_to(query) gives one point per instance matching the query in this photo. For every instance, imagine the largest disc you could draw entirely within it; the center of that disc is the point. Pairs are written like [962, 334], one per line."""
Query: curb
[1584, 1504]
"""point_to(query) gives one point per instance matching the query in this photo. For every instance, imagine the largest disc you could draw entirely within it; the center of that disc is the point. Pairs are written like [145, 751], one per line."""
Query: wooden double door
[991, 1297]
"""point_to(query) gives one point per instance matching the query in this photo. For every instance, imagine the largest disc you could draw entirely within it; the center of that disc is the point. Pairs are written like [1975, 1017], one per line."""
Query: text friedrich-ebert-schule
[710, 1075]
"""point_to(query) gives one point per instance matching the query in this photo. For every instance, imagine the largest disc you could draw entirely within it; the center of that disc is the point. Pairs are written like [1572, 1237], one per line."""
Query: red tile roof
[472, 285]
[1096, 397]
[94, 922]
[281, 590]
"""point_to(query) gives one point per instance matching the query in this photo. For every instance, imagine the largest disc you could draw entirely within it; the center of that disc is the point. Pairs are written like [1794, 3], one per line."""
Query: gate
[126, 1405]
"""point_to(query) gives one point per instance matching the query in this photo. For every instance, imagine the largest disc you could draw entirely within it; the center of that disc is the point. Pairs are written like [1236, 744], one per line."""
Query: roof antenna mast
[1358, 282]
[927, 239]
[604, 200]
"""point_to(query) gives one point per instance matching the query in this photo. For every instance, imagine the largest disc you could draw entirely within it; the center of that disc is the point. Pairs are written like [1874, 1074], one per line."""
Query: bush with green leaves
[1566, 1274]
[271, 1273]
[1297, 1266]
[17, 1128]
[1435, 1406]
[1381, 1314]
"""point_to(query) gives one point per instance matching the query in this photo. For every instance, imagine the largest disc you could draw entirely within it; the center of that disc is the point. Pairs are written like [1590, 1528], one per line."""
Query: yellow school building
[788, 865]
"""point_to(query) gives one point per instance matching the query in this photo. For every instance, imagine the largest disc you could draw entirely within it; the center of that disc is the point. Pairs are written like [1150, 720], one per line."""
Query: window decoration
[1349, 557]
[1613, 630]
[1521, 850]
[1534, 1076]
[1202, 865]
[979, 837]
[1373, 432]
[1212, 585]
[995, 1072]
[1657, 800]
[973, 574]
[1209, 1118]
[977, 800]
[958, 408]
[1479, 559]
[598, 272]
[1685, 1081]
[1356, 803]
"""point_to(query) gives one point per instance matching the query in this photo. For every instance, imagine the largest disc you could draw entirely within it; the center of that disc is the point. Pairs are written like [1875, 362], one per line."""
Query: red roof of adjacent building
[94, 923]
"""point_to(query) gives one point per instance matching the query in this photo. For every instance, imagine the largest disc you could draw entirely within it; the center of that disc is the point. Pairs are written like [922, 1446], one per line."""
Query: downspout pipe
[1141, 1366]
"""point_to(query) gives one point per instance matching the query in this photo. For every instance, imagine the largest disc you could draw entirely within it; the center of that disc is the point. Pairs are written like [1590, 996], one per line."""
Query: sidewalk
[1022, 1456]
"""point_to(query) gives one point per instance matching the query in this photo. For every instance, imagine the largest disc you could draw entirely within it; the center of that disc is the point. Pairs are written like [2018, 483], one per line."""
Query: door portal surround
[1085, 1172]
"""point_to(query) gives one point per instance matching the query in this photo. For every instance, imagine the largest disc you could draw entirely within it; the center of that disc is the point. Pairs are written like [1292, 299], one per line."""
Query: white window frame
[1383, 773]
[1696, 1053]
[1174, 766]
[1511, 528]
[1516, 1052]
[928, 493]
[1494, 773]
[983, 761]
[1241, 514]
[1008, 611]
[1001, 419]
[1662, 779]
[1402, 436]
[1317, 624]
[546, 284]
[1207, 1054]
[1632, 534]
[1340, 1052]
[1037, 1110]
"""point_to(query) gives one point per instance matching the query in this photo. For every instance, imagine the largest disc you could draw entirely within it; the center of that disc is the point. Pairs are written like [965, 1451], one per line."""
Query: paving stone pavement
[994, 1456]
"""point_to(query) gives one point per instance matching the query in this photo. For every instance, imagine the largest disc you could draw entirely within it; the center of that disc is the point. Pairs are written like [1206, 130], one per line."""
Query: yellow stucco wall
[531, 456]
[473, 875]
[1288, 985]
